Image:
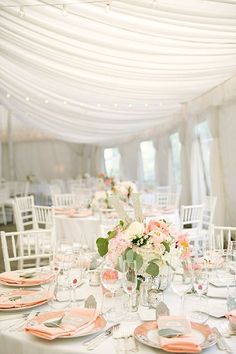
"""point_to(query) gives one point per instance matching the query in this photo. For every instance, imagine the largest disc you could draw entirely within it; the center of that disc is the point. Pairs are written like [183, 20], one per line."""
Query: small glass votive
[132, 301]
[94, 277]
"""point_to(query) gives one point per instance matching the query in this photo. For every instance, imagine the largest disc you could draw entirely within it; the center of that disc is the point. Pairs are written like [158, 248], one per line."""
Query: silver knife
[221, 342]
[92, 343]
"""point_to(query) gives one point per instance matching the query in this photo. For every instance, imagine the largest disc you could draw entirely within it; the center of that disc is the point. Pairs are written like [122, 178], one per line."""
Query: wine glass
[129, 281]
[182, 280]
[59, 293]
[111, 280]
[232, 256]
[200, 285]
[224, 273]
[75, 276]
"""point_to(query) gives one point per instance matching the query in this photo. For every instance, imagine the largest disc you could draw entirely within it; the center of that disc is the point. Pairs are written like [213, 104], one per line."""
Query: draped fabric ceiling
[97, 76]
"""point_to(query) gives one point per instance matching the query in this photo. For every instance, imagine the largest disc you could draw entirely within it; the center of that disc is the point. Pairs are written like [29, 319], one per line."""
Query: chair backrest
[26, 247]
[220, 237]
[23, 212]
[191, 216]
[167, 200]
[208, 212]
[64, 200]
[44, 216]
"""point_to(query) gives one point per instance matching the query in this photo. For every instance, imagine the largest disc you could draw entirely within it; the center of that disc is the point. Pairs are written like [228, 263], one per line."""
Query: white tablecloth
[23, 343]
[81, 230]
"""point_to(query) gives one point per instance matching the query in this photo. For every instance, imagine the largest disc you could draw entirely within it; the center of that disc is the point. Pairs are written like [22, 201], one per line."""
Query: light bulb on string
[108, 6]
[64, 10]
[21, 11]
[154, 3]
[8, 95]
[27, 99]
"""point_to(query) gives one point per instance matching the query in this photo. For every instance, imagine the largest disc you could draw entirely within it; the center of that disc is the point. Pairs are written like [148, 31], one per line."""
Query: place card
[116, 203]
[135, 197]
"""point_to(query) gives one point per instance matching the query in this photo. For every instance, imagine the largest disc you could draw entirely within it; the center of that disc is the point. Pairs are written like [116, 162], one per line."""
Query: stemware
[129, 282]
[111, 280]
[200, 285]
[59, 293]
[225, 273]
[182, 280]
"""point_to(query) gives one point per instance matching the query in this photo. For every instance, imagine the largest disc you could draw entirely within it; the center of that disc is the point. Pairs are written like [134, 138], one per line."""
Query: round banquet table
[84, 230]
[19, 342]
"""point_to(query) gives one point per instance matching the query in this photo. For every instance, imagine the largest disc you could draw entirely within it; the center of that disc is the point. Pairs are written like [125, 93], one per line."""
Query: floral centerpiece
[108, 182]
[125, 189]
[153, 245]
[101, 200]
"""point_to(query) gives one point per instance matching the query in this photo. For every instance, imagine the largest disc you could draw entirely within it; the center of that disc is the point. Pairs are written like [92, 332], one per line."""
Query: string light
[115, 105]
[154, 3]
[64, 102]
[108, 6]
[27, 99]
[64, 10]
[46, 101]
[146, 105]
[8, 95]
[130, 105]
[21, 11]
[99, 105]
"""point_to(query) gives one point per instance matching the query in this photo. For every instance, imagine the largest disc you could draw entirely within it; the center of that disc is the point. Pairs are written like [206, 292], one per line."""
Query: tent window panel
[112, 161]
[176, 157]
[148, 158]
[205, 138]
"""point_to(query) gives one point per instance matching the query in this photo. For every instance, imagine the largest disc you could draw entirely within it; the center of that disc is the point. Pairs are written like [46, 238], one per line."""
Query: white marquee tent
[79, 76]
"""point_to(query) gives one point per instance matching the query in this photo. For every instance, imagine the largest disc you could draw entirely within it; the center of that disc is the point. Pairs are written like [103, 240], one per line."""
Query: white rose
[135, 228]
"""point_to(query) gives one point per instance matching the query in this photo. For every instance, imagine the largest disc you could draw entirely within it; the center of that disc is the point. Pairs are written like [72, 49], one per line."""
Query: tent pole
[10, 147]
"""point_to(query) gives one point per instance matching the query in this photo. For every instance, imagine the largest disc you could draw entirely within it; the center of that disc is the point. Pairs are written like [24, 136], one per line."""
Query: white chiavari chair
[40, 248]
[191, 217]
[167, 200]
[44, 216]
[207, 219]
[23, 212]
[65, 200]
[220, 237]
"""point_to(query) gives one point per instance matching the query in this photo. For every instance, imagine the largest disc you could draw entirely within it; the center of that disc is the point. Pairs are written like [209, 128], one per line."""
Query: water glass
[59, 292]
[113, 306]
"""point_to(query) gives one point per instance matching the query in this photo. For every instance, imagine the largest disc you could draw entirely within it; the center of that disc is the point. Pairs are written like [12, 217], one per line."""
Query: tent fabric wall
[52, 159]
[227, 144]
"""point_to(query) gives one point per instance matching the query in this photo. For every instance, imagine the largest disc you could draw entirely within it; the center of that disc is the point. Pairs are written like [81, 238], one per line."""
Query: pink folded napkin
[65, 211]
[82, 213]
[29, 277]
[23, 298]
[52, 325]
[182, 344]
